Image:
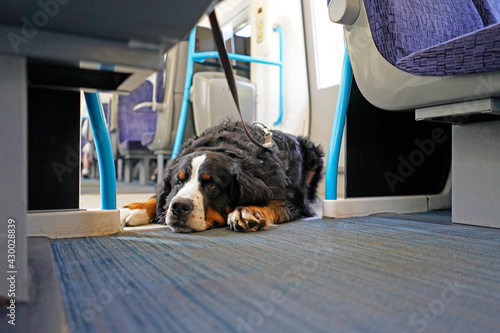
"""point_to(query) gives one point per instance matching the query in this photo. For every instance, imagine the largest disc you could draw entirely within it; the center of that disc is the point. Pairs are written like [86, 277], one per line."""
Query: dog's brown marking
[254, 218]
[206, 176]
[182, 175]
[149, 206]
[310, 176]
[214, 219]
[275, 212]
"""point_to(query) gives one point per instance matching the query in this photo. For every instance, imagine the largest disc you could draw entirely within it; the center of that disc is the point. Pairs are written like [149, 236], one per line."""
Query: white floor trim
[351, 207]
[77, 223]
[366, 206]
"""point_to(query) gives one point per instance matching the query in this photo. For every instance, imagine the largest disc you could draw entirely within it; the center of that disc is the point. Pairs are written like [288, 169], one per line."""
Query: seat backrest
[170, 90]
[133, 124]
[489, 10]
[213, 102]
[401, 27]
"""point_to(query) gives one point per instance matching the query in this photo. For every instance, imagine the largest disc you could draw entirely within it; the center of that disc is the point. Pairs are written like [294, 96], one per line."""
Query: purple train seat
[135, 119]
[489, 10]
[405, 52]
[439, 59]
[157, 98]
[449, 39]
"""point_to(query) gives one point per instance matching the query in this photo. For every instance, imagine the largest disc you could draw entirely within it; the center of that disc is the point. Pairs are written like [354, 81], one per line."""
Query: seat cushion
[489, 11]
[475, 52]
[401, 27]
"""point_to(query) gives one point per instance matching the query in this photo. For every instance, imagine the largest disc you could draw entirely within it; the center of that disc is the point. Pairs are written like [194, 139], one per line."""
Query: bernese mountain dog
[221, 178]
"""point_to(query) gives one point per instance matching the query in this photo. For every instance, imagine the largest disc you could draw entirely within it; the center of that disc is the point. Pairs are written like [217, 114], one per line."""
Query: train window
[328, 46]
[245, 31]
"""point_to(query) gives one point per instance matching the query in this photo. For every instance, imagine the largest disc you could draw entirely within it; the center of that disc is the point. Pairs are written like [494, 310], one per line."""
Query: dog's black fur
[246, 175]
[221, 178]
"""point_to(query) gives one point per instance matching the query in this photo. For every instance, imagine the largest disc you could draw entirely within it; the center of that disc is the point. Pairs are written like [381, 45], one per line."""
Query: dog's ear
[250, 189]
[163, 189]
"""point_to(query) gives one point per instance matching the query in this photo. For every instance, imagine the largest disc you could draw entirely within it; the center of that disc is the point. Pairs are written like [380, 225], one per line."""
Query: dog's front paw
[138, 213]
[246, 219]
[133, 217]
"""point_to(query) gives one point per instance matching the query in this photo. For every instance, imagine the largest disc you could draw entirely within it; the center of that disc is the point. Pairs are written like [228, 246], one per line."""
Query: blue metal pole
[201, 56]
[332, 164]
[103, 149]
[280, 117]
[185, 99]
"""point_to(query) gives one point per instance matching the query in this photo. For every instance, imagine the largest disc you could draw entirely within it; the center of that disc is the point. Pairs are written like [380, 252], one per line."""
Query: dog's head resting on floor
[200, 189]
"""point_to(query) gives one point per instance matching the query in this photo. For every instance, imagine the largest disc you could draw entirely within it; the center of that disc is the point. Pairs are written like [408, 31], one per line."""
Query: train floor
[381, 273]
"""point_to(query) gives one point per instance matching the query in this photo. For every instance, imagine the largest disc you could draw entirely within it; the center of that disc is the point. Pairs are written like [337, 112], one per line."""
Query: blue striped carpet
[371, 274]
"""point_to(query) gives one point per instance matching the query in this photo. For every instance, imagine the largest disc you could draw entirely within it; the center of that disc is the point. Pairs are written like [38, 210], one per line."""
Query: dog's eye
[211, 186]
[180, 182]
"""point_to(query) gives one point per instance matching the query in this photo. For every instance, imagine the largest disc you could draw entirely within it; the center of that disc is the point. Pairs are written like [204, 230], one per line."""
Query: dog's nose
[181, 206]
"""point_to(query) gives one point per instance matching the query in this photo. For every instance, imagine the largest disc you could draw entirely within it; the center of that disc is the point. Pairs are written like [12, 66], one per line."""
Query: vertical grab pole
[103, 149]
[332, 164]
[185, 98]
[280, 118]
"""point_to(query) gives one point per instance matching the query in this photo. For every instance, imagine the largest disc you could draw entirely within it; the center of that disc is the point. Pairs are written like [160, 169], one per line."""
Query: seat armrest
[143, 105]
[344, 11]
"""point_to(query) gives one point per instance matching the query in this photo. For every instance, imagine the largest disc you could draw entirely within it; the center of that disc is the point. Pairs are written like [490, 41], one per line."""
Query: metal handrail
[193, 56]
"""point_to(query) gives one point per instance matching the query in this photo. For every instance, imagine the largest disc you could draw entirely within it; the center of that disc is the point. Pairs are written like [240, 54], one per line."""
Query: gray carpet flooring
[371, 274]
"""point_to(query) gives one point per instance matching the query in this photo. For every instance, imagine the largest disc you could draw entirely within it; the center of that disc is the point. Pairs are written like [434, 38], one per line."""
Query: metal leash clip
[268, 135]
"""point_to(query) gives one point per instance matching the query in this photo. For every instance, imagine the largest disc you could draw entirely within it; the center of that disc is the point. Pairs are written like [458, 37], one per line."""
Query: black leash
[228, 70]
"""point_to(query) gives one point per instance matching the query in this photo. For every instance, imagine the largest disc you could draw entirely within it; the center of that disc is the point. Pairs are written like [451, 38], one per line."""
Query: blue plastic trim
[332, 163]
[103, 149]
[201, 57]
[106, 67]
